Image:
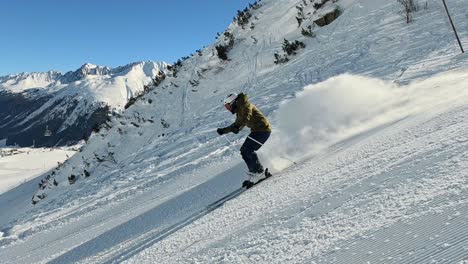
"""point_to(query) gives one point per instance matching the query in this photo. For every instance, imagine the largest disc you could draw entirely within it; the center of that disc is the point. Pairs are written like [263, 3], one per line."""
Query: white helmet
[230, 98]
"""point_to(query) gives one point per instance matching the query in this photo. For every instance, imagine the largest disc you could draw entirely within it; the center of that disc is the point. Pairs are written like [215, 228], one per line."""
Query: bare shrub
[410, 6]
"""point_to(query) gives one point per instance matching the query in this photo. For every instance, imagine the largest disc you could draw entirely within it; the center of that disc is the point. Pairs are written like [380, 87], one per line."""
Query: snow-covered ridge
[23, 81]
[84, 71]
[88, 77]
[70, 105]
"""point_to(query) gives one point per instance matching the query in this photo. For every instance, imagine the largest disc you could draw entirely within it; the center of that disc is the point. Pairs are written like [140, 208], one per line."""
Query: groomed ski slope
[373, 111]
[396, 193]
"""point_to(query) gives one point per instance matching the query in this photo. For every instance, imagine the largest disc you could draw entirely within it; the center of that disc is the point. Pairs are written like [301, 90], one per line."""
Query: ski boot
[255, 178]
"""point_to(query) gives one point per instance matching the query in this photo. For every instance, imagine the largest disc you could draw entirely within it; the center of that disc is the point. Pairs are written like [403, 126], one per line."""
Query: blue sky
[37, 36]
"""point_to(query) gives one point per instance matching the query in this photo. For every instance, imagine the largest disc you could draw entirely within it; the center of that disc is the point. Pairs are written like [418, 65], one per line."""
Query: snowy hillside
[20, 165]
[68, 105]
[373, 111]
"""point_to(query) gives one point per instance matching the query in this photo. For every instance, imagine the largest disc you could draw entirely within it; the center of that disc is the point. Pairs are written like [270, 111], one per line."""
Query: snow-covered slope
[20, 165]
[68, 105]
[21, 82]
[373, 110]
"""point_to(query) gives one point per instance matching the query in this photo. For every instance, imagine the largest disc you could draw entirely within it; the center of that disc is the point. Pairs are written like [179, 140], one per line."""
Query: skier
[248, 115]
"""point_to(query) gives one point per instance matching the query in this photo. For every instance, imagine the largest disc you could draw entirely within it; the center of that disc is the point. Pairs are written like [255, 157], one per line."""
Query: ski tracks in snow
[363, 190]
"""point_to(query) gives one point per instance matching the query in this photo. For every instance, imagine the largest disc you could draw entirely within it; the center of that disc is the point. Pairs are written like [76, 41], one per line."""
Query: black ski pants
[248, 150]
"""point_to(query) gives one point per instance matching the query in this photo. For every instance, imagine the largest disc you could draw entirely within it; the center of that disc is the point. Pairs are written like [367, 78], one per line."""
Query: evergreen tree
[222, 52]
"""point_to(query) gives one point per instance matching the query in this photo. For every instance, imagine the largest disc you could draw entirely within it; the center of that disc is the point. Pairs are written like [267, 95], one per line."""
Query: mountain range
[54, 109]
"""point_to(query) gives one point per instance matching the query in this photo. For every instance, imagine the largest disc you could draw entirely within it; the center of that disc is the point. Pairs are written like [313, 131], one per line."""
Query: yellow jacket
[248, 115]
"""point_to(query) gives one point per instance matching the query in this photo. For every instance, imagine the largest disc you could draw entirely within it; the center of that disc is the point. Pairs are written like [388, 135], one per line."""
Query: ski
[248, 184]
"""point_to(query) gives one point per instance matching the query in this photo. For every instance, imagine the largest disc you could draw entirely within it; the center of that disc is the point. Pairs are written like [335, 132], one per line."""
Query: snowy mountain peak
[91, 69]
[85, 70]
[150, 68]
[17, 83]
[79, 98]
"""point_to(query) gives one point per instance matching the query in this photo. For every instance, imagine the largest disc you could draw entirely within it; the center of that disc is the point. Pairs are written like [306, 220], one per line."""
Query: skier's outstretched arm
[243, 115]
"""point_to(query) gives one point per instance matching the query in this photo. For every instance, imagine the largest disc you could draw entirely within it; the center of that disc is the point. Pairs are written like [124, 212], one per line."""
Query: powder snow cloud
[325, 113]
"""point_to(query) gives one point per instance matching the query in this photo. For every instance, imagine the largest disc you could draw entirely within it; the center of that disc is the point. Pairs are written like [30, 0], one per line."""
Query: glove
[220, 131]
[235, 129]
